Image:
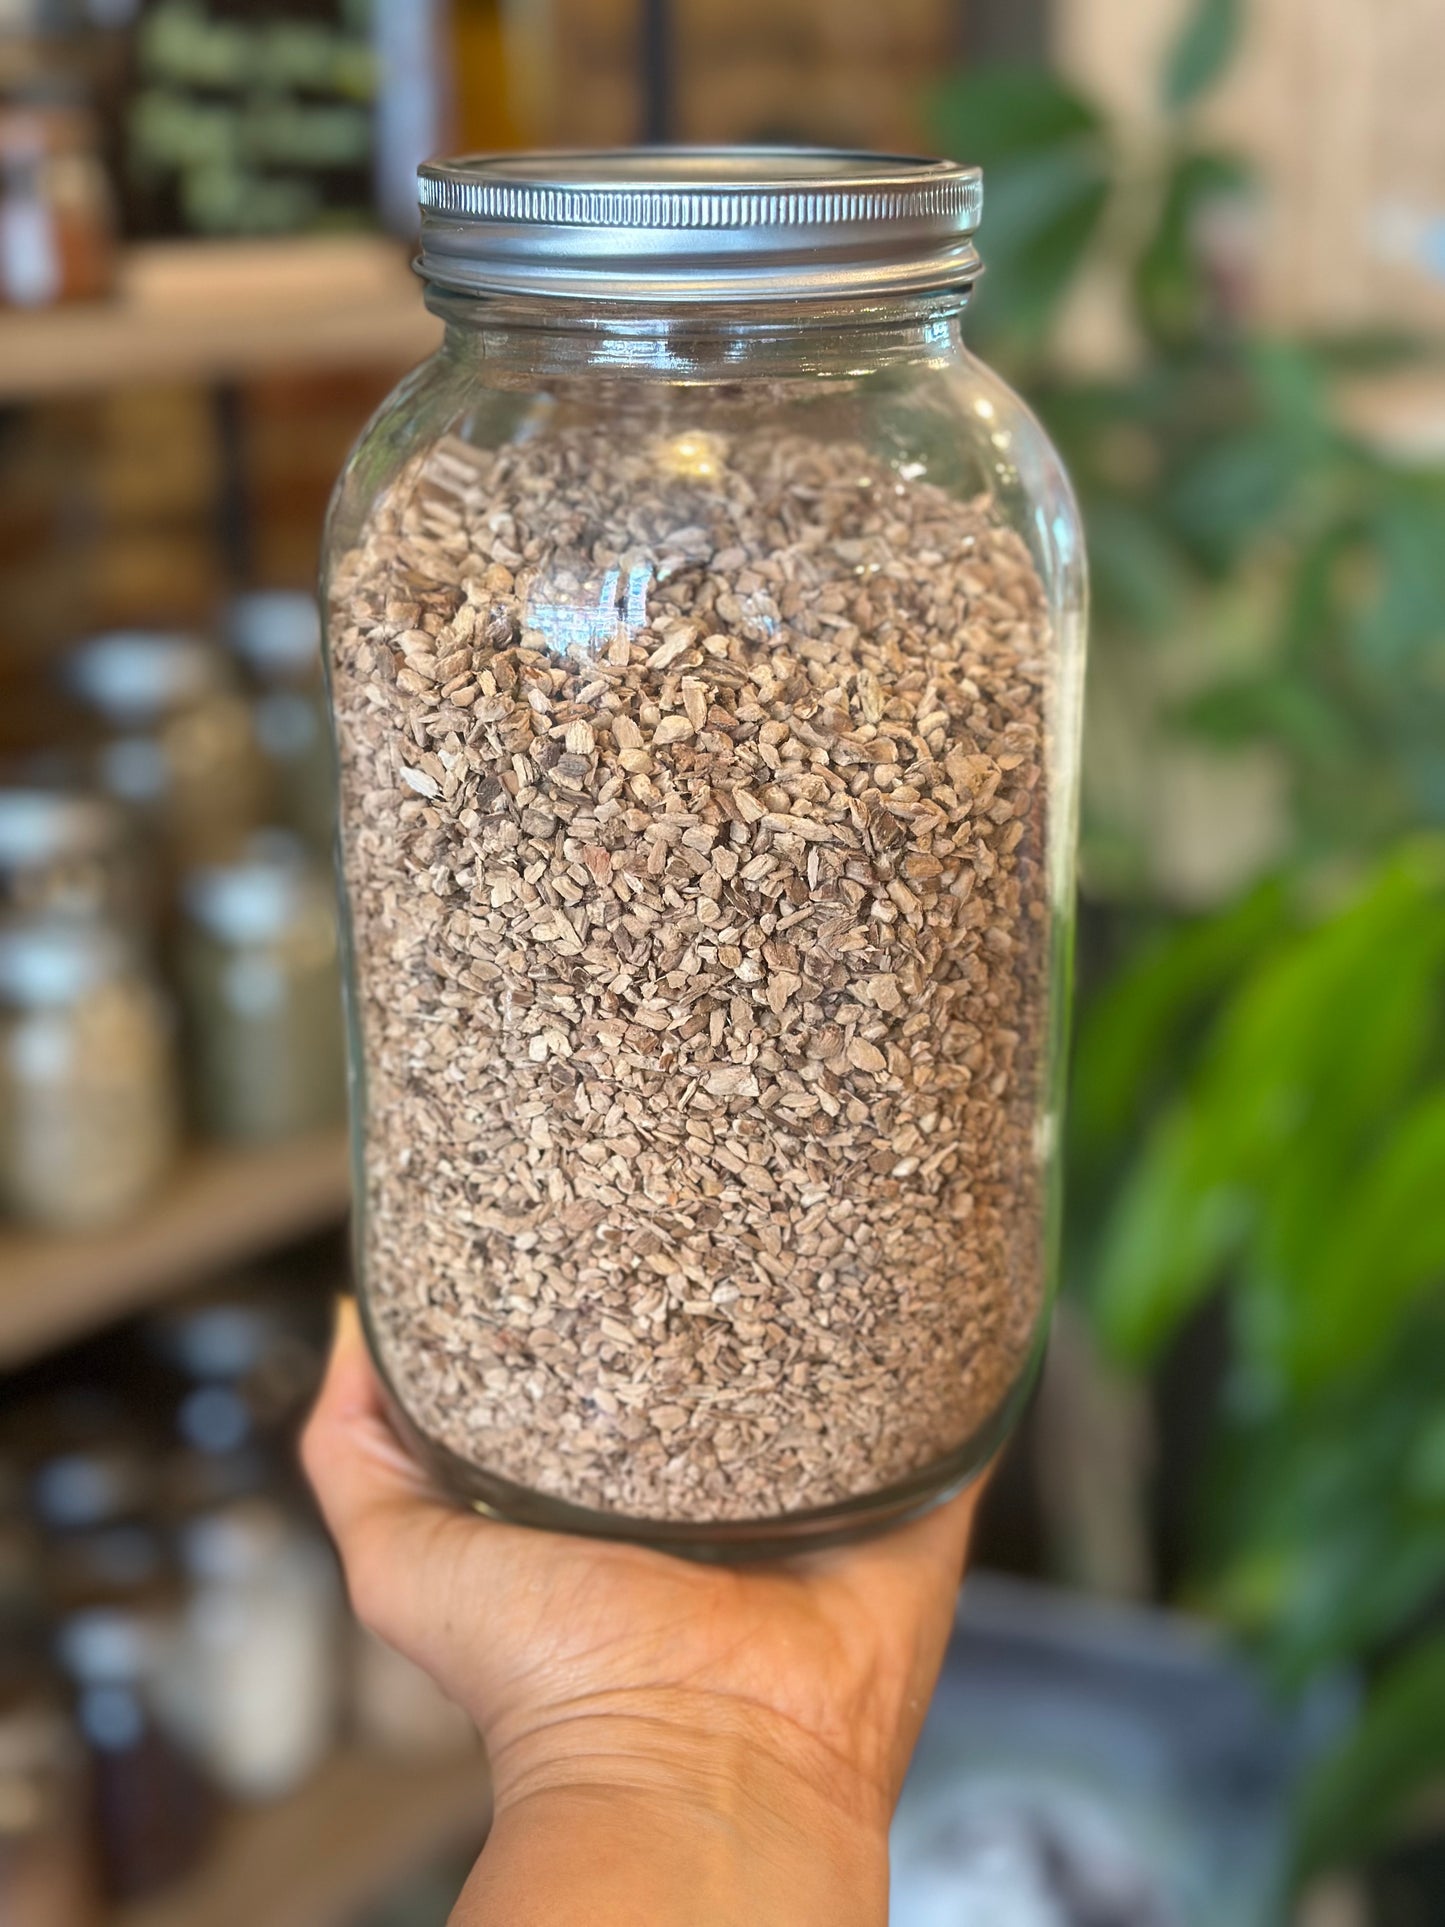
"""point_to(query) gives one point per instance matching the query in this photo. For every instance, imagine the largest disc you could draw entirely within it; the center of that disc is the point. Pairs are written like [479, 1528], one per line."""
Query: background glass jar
[88, 1113]
[57, 221]
[174, 741]
[259, 972]
[70, 854]
[152, 1811]
[277, 635]
[45, 1862]
[705, 636]
[263, 1644]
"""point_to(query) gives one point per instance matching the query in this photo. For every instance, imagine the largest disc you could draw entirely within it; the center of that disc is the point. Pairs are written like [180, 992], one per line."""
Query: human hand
[670, 1742]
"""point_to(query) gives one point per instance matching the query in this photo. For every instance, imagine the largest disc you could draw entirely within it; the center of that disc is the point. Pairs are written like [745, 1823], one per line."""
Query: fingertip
[353, 1458]
[351, 1380]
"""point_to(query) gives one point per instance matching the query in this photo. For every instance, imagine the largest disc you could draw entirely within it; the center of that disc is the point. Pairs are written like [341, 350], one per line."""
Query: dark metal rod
[235, 517]
[656, 64]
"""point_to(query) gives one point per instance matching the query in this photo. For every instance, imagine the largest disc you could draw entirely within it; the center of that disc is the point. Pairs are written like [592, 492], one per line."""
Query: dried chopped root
[694, 839]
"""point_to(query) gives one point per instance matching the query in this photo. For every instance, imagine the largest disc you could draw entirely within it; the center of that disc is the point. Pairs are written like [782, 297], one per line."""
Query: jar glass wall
[706, 694]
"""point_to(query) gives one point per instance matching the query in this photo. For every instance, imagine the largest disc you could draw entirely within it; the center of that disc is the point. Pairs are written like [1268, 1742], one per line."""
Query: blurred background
[1202, 1678]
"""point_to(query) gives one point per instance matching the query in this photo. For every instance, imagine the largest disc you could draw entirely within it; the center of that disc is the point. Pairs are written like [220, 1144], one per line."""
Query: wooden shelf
[343, 1842]
[220, 1208]
[220, 311]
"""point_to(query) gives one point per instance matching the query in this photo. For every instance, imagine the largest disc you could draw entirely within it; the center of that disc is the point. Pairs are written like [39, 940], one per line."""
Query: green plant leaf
[1304, 1040]
[996, 113]
[1313, 606]
[1386, 1250]
[1174, 1227]
[1312, 1054]
[1228, 489]
[1202, 51]
[1171, 290]
[1425, 1465]
[1369, 351]
[1043, 212]
[1397, 1749]
[1322, 1532]
[1135, 1037]
[1404, 619]
[1293, 387]
[1136, 575]
[1308, 1604]
[1273, 706]
[1047, 162]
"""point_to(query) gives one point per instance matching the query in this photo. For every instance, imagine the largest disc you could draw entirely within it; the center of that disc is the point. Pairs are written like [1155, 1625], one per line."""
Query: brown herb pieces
[694, 837]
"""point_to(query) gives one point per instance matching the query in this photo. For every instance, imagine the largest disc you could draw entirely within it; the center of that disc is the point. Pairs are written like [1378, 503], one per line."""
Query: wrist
[674, 1806]
[705, 1746]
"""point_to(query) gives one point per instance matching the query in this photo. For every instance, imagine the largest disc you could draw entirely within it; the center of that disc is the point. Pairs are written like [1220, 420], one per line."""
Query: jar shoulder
[975, 435]
[949, 423]
[414, 416]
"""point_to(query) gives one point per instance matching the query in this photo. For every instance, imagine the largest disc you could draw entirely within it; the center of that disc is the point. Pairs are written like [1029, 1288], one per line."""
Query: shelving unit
[218, 315]
[221, 1208]
[221, 311]
[361, 1826]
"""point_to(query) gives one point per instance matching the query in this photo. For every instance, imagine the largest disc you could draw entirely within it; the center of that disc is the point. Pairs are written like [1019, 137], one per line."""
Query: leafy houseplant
[1258, 1117]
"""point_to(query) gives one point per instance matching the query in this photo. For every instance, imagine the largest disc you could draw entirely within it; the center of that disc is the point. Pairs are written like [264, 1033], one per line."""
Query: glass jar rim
[685, 226]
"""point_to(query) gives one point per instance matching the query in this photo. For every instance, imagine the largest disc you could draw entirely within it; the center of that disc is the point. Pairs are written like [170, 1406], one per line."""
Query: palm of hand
[566, 1649]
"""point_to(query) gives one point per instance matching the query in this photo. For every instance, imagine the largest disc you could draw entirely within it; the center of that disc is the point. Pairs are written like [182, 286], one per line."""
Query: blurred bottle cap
[260, 896]
[135, 676]
[49, 961]
[276, 633]
[39, 826]
[78, 1490]
[237, 1542]
[106, 1644]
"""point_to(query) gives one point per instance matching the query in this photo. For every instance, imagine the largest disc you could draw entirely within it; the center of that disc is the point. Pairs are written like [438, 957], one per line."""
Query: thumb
[389, 1524]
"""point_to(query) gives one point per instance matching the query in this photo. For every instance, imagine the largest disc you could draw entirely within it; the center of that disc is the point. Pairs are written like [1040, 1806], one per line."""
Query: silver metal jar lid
[687, 225]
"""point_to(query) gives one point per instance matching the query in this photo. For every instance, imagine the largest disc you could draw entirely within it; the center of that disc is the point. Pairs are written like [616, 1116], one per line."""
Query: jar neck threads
[512, 339]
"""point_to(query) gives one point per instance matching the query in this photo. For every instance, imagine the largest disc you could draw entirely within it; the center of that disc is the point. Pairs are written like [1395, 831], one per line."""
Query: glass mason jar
[258, 971]
[277, 635]
[705, 628]
[261, 1671]
[152, 1810]
[174, 741]
[57, 217]
[88, 1112]
[45, 1873]
[66, 853]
